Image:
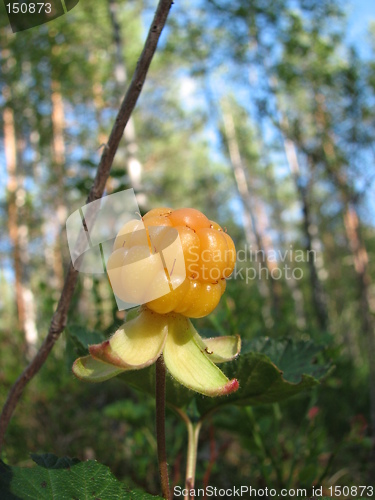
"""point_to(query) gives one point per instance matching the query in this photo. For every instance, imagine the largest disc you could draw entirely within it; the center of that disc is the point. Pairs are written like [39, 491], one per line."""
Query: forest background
[261, 115]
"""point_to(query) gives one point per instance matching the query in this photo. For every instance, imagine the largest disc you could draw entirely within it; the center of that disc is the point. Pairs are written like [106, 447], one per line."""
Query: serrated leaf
[51, 461]
[292, 357]
[261, 381]
[56, 479]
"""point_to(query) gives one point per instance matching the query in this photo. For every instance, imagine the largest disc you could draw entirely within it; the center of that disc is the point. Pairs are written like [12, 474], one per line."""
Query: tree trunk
[313, 246]
[18, 234]
[12, 186]
[58, 160]
[295, 291]
[253, 231]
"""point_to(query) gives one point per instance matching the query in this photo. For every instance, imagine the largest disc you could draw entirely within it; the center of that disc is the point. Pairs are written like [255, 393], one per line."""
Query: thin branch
[160, 426]
[60, 316]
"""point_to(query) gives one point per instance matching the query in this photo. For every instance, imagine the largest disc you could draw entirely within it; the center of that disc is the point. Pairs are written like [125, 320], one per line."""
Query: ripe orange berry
[209, 257]
[214, 248]
[201, 299]
[189, 217]
[157, 212]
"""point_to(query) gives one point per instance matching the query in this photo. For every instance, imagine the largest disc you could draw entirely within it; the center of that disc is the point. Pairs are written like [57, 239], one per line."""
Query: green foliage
[292, 357]
[65, 477]
[78, 338]
[127, 411]
[82, 338]
[261, 378]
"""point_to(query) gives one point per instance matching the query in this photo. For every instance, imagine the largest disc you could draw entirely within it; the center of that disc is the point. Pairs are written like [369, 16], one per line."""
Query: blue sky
[360, 14]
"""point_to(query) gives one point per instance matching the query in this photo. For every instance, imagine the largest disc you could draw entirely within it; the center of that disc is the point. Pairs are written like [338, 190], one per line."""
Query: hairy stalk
[59, 319]
[192, 451]
[192, 454]
[160, 427]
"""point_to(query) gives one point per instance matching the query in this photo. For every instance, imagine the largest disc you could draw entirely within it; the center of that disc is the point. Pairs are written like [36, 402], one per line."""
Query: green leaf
[292, 357]
[82, 338]
[261, 381]
[51, 461]
[78, 338]
[73, 480]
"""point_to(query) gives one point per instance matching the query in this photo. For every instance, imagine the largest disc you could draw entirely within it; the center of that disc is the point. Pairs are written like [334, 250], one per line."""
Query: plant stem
[160, 426]
[192, 451]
